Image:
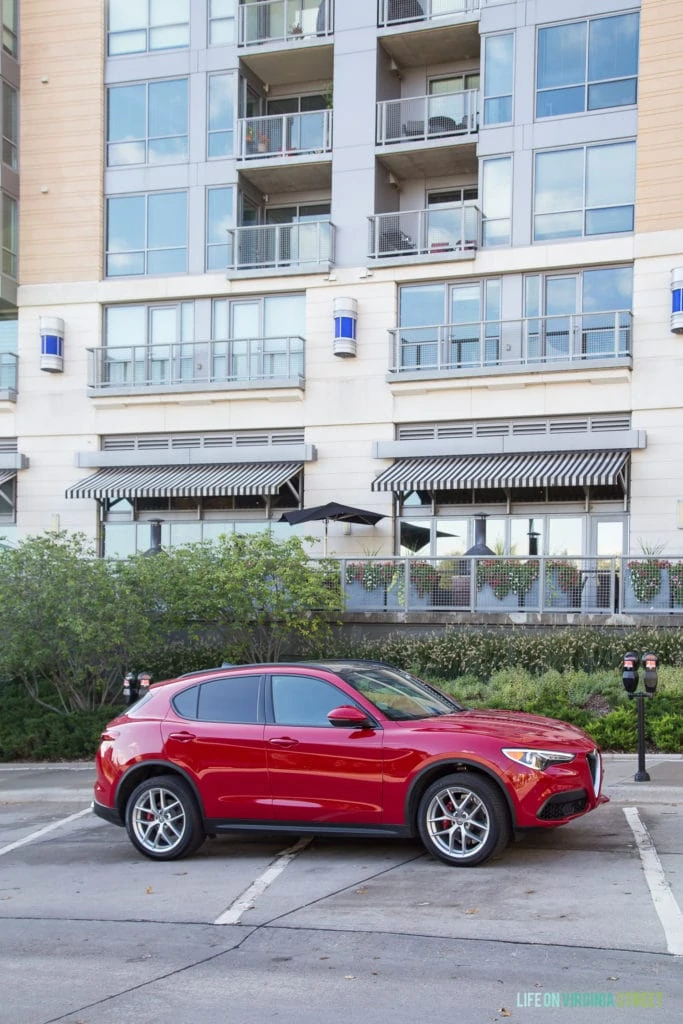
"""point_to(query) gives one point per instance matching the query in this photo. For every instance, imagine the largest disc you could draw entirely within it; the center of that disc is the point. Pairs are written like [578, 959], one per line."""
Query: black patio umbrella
[415, 537]
[334, 511]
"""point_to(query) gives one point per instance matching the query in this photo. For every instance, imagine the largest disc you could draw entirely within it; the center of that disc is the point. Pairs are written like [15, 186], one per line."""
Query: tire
[463, 820]
[163, 820]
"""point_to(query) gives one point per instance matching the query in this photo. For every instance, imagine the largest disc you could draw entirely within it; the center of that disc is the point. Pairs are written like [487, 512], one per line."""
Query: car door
[320, 772]
[214, 731]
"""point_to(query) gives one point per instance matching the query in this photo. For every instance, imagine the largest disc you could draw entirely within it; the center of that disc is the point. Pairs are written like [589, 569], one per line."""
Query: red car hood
[510, 727]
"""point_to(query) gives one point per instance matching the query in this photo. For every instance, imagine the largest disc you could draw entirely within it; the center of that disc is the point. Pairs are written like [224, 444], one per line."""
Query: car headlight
[538, 759]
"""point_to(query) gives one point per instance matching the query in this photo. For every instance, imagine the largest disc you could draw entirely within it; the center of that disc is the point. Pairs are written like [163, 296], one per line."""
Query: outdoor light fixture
[629, 677]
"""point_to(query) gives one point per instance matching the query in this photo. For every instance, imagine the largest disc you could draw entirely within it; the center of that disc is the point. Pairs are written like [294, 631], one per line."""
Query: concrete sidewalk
[68, 782]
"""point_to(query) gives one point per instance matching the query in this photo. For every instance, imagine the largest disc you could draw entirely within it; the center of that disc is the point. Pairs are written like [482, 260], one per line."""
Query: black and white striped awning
[186, 481]
[7, 474]
[518, 469]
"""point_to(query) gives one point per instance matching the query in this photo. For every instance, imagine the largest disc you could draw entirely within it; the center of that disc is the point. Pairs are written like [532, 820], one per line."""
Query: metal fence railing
[396, 12]
[512, 343]
[423, 118]
[596, 586]
[447, 228]
[272, 246]
[8, 371]
[247, 360]
[284, 135]
[284, 21]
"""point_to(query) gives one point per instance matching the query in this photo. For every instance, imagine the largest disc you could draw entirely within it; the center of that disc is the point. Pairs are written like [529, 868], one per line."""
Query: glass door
[550, 310]
[246, 345]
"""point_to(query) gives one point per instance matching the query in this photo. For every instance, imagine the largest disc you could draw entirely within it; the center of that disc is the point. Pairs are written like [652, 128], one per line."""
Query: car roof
[337, 665]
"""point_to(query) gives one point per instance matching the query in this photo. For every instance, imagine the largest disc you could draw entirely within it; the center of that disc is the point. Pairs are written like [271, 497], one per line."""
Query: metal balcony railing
[395, 12]
[284, 135]
[512, 344]
[284, 21]
[452, 228]
[8, 371]
[250, 361]
[276, 246]
[422, 118]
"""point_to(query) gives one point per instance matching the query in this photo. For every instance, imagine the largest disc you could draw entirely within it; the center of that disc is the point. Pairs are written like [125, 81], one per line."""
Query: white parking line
[43, 831]
[668, 911]
[258, 887]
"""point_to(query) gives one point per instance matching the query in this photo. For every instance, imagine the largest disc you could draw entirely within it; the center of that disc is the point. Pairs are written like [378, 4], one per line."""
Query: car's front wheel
[163, 820]
[463, 819]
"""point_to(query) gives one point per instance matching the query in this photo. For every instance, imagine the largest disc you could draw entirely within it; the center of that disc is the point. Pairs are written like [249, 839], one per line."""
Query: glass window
[219, 218]
[9, 126]
[135, 26]
[587, 65]
[565, 535]
[9, 26]
[305, 700]
[8, 500]
[147, 123]
[221, 22]
[148, 344]
[230, 700]
[497, 201]
[185, 702]
[9, 235]
[589, 190]
[221, 115]
[147, 234]
[498, 77]
[255, 344]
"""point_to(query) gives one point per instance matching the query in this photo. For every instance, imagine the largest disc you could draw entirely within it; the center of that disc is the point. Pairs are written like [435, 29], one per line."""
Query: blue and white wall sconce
[345, 317]
[52, 344]
[677, 300]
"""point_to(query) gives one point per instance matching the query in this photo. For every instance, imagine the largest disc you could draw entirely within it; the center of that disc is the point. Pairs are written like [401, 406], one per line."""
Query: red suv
[338, 748]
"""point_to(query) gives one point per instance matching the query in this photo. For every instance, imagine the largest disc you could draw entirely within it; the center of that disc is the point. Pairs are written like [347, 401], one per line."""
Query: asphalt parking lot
[606, 889]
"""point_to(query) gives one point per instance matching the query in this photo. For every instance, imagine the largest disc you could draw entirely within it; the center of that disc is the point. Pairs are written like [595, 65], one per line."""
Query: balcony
[418, 135]
[444, 232]
[398, 12]
[286, 152]
[8, 376]
[274, 35]
[304, 246]
[200, 365]
[418, 33]
[283, 21]
[512, 346]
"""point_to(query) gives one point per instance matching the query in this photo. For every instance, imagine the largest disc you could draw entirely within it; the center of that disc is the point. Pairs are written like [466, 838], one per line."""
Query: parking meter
[629, 674]
[650, 677]
[130, 688]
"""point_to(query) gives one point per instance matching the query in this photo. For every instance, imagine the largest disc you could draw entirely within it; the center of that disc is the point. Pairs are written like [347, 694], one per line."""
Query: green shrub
[666, 732]
[616, 730]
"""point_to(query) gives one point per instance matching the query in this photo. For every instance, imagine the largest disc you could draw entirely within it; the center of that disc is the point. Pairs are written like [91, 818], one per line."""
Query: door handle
[182, 737]
[284, 741]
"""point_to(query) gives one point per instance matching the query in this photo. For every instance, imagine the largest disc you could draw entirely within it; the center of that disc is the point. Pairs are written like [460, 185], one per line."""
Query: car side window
[233, 699]
[185, 702]
[305, 700]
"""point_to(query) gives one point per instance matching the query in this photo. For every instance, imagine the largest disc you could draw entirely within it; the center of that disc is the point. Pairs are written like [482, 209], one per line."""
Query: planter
[486, 599]
[650, 602]
[360, 598]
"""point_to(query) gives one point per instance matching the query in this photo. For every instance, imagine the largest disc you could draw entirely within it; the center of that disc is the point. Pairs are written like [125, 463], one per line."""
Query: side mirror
[348, 717]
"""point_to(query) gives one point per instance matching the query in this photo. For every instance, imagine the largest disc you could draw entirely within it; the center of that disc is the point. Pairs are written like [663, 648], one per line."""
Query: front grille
[564, 805]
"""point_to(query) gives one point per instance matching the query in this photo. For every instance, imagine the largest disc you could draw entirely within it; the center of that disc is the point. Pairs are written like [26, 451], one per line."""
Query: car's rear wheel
[163, 820]
[463, 819]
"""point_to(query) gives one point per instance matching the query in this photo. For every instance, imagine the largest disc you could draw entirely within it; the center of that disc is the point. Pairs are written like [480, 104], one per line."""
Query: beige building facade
[386, 254]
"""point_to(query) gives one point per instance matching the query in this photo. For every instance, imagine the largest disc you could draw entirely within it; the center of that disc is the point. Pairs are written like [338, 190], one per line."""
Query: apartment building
[423, 257]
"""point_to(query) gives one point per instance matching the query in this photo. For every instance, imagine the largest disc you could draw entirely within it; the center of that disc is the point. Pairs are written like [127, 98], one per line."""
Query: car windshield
[398, 695]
